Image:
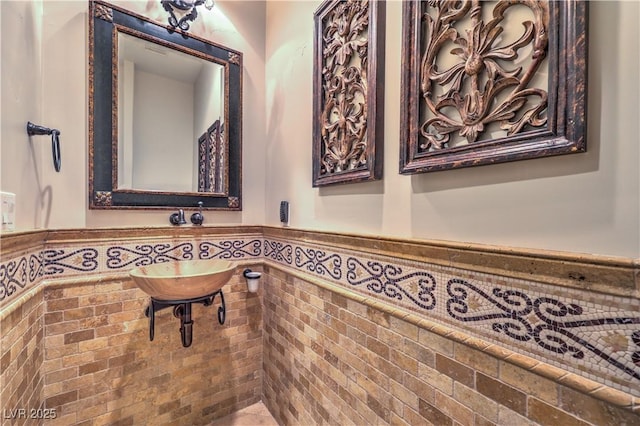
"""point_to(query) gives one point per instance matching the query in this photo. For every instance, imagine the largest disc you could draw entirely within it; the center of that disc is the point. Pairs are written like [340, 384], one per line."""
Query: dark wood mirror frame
[105, 20]
[441, 101]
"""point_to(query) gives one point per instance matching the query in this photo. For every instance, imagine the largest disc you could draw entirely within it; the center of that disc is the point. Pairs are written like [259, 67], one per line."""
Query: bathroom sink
[181, 280]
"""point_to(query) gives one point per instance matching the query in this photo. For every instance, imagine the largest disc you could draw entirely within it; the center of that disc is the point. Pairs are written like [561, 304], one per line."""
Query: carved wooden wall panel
[212, 155]
[348, 91]
[491, 81]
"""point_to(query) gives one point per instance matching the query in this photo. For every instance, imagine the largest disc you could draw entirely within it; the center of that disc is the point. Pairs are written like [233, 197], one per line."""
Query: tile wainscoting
[75, 339]
[587, 333]
[332, 356]
[99, 365]
[572, 320]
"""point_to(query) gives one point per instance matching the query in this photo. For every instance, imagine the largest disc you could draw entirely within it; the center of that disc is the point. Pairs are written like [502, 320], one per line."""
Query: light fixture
[186, 8]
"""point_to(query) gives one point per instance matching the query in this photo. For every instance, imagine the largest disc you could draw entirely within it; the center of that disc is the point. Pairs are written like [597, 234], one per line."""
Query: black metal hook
[34, 129]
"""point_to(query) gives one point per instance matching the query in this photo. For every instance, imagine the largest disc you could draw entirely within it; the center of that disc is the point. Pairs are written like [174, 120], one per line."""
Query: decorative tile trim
[58, 262]
[119, 257]
[391, 281]
[611, 275]
[318, 262]
[604, 274]
[230, 249]
[82, 258]
[278, 251]
[70, 260]
[19, 274]
[593, 335]
[554, 325]
[558, 375]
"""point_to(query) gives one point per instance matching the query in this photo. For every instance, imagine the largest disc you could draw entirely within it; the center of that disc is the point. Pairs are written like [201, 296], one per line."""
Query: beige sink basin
[187, 279]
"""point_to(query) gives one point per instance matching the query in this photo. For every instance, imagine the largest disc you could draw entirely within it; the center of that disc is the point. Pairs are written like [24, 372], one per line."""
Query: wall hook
[34, 129]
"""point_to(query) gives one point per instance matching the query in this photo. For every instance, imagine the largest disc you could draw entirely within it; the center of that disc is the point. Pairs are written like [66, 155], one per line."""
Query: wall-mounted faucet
[177, 218]
[197, 218]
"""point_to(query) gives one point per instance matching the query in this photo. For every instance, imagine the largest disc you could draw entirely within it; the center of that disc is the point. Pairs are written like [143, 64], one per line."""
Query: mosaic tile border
[19, 274]
[70, 260]
[605, 274]
[26, 270]
[592, 335]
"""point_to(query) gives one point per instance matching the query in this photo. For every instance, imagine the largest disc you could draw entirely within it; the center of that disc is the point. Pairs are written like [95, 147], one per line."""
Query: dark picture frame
[458, 83]
[348, 88]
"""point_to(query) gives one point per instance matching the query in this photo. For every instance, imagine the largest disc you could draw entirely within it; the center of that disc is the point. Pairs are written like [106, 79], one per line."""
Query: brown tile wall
[332, 359]
[100, 367]
[21, 355]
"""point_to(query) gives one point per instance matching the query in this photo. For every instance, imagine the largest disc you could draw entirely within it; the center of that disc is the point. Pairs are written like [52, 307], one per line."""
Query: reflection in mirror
[170, 108]
[212, 160]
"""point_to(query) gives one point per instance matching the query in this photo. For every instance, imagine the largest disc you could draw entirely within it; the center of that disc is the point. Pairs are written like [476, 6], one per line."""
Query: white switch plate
[8, 211]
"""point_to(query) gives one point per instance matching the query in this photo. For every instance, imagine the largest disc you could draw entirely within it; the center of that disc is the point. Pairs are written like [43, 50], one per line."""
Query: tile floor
[253, 415]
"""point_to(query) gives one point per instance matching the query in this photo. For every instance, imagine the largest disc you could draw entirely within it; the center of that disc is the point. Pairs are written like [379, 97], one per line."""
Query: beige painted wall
[583, 203]
[44, 79]
[21, 88]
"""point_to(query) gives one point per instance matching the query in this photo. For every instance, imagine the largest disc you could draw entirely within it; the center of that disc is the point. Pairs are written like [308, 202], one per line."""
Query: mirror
[147, 129]
[165, 115]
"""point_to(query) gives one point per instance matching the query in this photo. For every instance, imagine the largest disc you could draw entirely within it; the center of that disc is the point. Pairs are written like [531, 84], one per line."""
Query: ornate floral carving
[102, 198]
[212, 160]
[475, 78]
[344, 85]
[482, 86]
[346, 92]
[103, 12]
[234, 202]
[234, 58]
